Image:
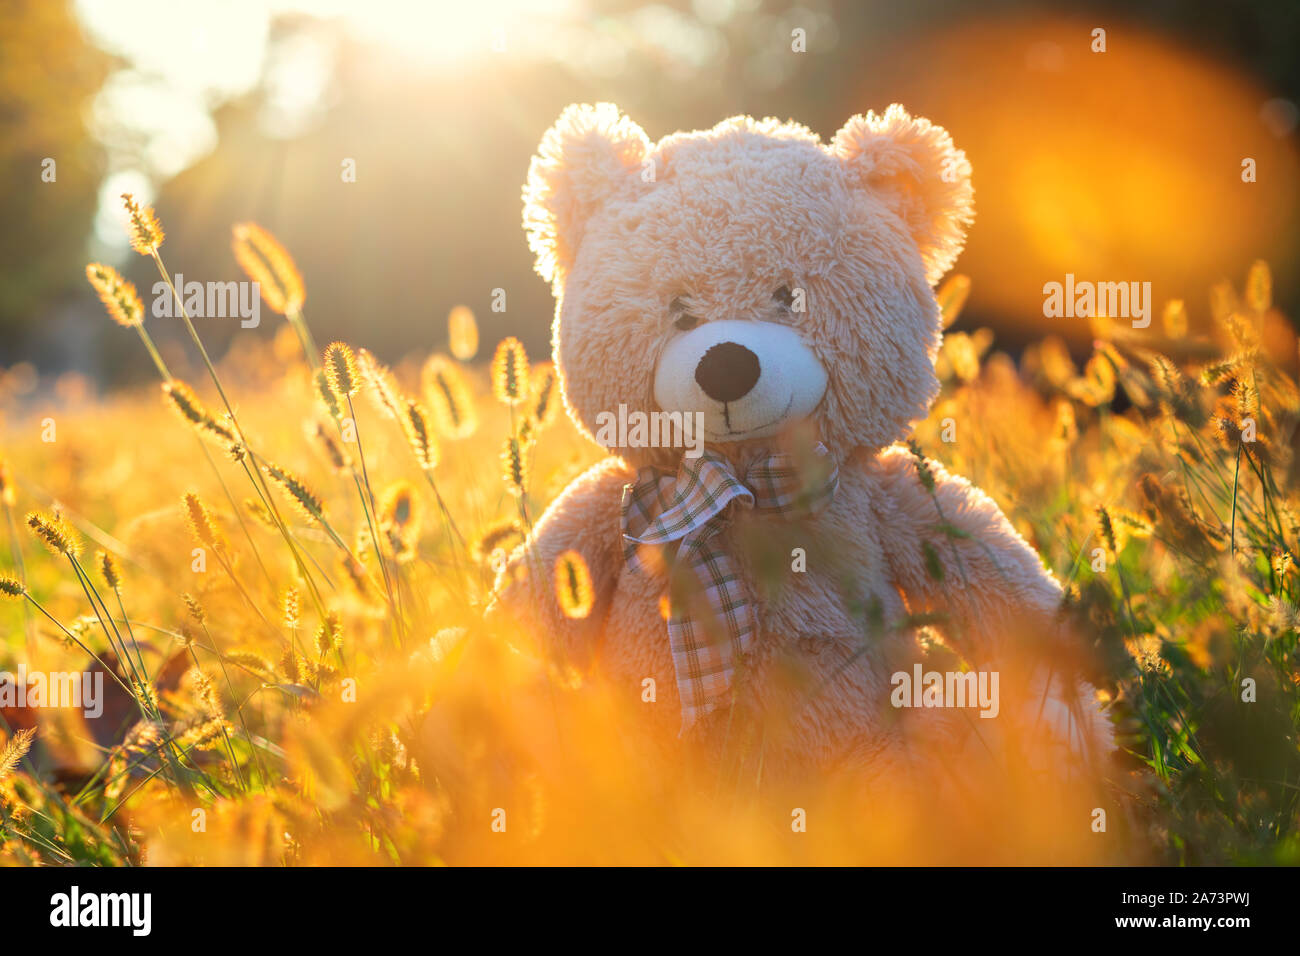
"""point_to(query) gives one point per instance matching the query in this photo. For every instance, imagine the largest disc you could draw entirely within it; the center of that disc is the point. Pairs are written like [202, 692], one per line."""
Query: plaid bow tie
[705, 586]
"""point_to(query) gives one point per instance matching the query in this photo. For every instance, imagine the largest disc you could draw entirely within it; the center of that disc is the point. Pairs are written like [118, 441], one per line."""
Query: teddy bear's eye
[784, 296]
[681, 318]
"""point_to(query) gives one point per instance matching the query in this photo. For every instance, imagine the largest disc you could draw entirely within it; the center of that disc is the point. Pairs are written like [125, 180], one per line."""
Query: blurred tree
[49, 164]
[441, 149]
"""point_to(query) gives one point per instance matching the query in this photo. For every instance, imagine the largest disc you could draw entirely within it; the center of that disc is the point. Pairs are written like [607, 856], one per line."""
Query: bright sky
[188, 56]
[210, 48]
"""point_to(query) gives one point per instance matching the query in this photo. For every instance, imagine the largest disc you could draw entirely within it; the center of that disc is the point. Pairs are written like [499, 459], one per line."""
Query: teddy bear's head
[749, 272]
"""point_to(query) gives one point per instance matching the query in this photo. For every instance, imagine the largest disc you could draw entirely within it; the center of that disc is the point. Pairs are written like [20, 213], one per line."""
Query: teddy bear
[774, 294]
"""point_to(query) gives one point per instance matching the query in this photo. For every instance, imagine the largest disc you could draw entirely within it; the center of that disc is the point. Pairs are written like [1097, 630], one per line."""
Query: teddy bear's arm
[584, 518]
[957, 554]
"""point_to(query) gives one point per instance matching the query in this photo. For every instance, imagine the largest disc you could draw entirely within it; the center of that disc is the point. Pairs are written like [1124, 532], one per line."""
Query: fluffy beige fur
[621, 227]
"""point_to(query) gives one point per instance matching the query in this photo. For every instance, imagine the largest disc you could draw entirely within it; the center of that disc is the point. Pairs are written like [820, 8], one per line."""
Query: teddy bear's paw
[1068, 721]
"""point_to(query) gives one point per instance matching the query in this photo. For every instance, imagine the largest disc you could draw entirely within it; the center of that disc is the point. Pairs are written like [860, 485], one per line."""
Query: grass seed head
[55, 533]
[527, 433]
[205, 735]
[290, 608]
[462, 333]
[514, 465]
[253, 662]
[201, 524]
[325, 392]
[1107, 529]
[333, 450]
[119, 296]
[142, 226]
[14, 751]
[108, 570]
[448, 396]
[510, 372]
[329, 636]
[383, 389]
[356, 574]
[1174, 318]
[399, 519]
[573, 587]
[258, 511]
[266, 262]
[420, 436]
[952, 295]
[545, 395]
[144, 691]
[500, 537]
[341, 368]
[289, 668]
[309, 503]
[194, 608]
[1259, 286]
[187, 404]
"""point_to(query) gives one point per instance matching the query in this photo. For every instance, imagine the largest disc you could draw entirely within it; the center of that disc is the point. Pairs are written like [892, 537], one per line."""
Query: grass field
[280, 563]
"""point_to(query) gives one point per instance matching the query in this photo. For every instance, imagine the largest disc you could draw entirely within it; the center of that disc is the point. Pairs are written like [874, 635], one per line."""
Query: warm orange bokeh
[1121, 166]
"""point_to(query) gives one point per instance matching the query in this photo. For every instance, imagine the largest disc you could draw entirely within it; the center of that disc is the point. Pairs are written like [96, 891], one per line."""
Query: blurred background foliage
[1117, 166]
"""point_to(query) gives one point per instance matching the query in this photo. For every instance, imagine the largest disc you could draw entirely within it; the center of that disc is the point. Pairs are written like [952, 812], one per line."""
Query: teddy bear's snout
[746, 378]
[727, 371]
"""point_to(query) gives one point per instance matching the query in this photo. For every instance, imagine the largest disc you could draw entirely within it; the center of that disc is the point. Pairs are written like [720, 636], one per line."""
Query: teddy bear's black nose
[727, 372]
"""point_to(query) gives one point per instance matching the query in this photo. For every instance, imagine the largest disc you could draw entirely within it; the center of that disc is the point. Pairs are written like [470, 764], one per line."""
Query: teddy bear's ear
[584, 159]
[914, 167]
